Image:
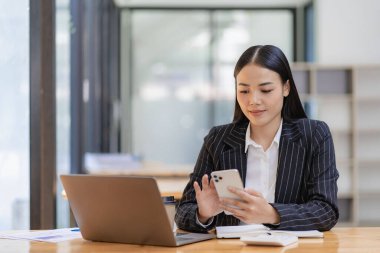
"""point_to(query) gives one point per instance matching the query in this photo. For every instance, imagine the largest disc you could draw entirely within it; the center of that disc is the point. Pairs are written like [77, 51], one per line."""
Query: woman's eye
[266, 91]
[244, 91]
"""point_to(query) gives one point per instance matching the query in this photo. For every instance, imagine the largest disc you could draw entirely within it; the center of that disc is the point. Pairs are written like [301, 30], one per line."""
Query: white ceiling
[210, 3]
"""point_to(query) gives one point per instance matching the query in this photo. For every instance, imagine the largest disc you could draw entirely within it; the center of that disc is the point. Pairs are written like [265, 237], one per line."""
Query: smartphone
[224, 178]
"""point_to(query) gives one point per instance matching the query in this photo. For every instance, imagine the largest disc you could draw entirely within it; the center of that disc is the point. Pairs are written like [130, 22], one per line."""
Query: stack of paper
[55, 235]
[256, 229]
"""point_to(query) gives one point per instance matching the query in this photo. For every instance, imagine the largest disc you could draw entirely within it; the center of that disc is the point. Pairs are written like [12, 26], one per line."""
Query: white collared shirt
[262, 165]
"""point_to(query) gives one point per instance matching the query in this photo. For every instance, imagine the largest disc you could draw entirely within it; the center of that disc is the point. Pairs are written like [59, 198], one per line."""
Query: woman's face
[260, 94]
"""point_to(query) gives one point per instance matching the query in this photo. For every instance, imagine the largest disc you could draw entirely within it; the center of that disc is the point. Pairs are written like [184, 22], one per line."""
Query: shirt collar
[249, 141]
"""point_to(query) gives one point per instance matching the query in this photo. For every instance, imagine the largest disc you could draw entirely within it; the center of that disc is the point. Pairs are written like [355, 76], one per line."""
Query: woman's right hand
[207, 199]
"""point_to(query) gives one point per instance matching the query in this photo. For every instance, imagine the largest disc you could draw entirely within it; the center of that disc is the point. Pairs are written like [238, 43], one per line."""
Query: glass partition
[62, 106]
[170, 84]
[181, 74]
[14, 115]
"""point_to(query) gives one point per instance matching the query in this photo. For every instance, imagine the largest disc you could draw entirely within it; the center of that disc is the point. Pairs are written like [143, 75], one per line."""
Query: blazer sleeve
[185, 217]
[320, 210]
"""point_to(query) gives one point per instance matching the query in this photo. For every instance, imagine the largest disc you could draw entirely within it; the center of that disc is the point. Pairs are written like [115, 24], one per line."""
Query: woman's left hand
[251, 208]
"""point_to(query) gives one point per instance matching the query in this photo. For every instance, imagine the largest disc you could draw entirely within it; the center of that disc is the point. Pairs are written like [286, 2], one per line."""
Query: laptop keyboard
[181, 237]
[178, 234]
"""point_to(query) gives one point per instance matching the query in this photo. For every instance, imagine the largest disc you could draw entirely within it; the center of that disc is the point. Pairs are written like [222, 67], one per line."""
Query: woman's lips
[256, 113]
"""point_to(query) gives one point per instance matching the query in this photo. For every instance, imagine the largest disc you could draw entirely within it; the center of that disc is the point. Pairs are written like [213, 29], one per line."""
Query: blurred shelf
[347, 98]
[346, 224]
[369, 223]
[369, 162]
[369, 194]
[368, 130]
[345, 195]
[334, 97]
[344, 161]
[364, 100]
[340, 131]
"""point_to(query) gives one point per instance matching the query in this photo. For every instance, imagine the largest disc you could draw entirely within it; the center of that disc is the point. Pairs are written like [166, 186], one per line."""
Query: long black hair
[271, 57]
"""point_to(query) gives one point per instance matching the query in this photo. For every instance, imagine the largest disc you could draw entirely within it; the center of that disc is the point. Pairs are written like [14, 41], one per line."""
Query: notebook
[257, 229]
[122, 209]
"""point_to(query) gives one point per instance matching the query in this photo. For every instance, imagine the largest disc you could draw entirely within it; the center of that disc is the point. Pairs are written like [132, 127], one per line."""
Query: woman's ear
[286, 88]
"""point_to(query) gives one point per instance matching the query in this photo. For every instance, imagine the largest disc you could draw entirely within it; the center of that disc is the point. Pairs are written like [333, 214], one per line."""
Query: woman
[286, 161]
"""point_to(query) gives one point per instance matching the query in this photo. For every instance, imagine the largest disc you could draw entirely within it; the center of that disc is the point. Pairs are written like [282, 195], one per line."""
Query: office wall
[347, 31]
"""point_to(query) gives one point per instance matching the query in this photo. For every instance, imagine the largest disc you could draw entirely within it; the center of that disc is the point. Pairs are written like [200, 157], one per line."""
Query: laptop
[123, 209]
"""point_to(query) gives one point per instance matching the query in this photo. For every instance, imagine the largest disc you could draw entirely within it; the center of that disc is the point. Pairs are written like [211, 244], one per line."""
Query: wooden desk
[358, 240]
[172, 186]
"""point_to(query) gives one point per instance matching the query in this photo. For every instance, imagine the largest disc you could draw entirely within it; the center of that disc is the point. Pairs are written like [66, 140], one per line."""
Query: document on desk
[256, 229]
[54, 235]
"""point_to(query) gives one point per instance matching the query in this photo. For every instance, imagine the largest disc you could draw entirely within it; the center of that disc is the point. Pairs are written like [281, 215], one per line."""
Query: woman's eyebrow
[261, 84]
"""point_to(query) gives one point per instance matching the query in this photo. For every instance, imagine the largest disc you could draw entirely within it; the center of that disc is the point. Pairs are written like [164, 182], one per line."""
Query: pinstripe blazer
[306, 184]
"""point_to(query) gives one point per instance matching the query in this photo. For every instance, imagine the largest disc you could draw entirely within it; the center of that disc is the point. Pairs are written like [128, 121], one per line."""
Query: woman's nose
[255, 98]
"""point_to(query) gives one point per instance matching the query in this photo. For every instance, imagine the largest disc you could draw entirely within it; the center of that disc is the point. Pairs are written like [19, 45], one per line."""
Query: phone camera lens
[216, 180]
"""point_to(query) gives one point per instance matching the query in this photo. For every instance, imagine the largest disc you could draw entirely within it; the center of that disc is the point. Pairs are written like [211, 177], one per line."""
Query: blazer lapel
[290, 164]
[234, 156]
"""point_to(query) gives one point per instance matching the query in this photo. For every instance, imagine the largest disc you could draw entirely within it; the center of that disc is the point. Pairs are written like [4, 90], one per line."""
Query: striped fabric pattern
[306, 185]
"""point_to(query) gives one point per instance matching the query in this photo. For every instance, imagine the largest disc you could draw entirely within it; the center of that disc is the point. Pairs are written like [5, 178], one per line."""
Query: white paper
[55, 235]
[301, 234]
[238, 231]
[256, 229]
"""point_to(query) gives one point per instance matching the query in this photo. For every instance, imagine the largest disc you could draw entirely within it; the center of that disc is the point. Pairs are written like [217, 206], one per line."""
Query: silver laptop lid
[120, 209]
